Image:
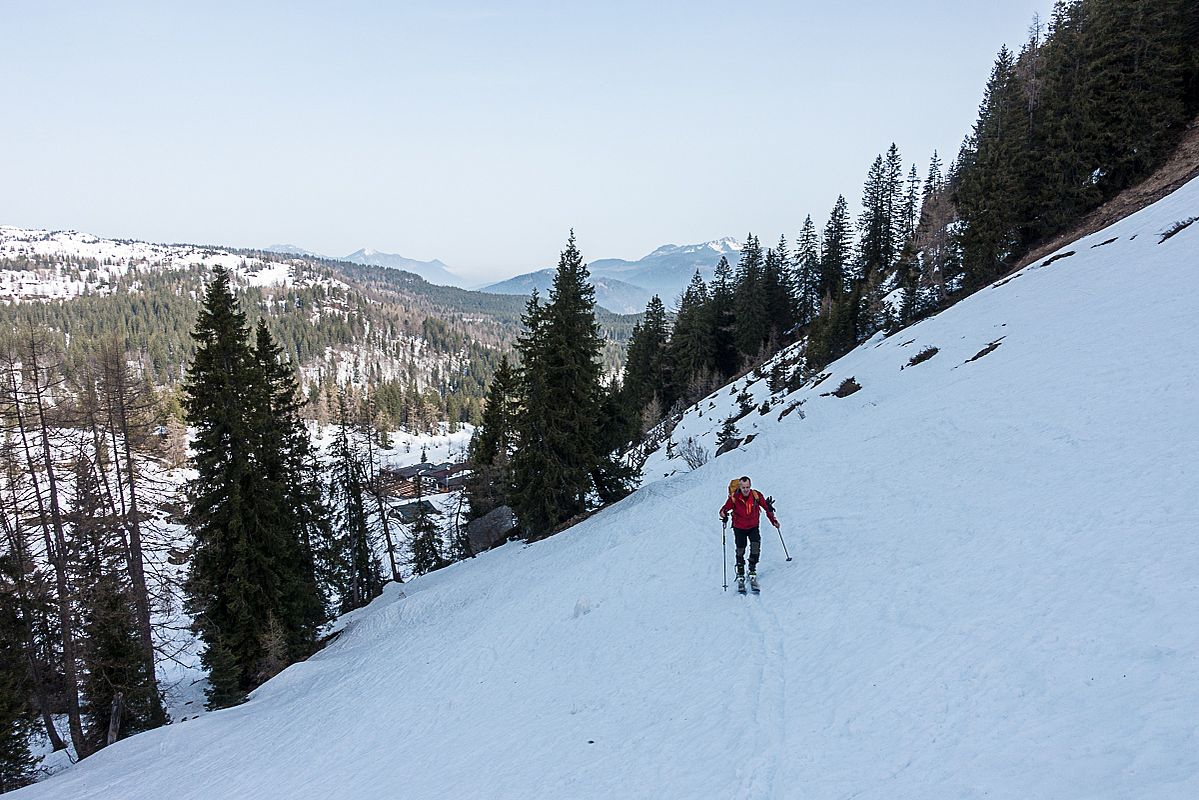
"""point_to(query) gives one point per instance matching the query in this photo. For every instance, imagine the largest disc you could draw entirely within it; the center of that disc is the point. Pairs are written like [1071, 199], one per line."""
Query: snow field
[993, 594]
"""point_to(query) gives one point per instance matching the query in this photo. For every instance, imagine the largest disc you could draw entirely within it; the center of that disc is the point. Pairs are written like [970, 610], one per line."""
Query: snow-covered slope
[993, 594]
[38, 265]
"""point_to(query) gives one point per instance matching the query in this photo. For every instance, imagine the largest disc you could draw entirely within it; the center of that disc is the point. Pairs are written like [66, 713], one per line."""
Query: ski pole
[724, 551]
[779, 528]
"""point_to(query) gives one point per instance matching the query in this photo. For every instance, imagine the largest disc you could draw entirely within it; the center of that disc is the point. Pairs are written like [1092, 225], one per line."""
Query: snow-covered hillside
[993, 593]
[45, 266]
[54, 265]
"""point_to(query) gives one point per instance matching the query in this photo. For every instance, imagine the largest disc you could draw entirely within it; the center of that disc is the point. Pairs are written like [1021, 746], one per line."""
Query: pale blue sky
[473, 132]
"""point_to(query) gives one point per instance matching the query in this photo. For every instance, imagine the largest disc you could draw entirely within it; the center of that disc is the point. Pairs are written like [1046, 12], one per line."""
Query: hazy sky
[477, 133]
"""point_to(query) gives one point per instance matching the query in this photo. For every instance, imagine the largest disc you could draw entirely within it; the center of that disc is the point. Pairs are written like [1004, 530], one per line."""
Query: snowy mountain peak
[725, 245]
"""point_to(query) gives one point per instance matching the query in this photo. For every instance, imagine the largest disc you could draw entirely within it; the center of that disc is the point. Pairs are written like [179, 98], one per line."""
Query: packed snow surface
[993, 593]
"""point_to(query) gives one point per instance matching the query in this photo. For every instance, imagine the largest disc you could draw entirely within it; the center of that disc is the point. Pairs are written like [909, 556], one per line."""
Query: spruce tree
[425, 545]
[557, 437]
[990, 164]
[490, 452]
[807, 273]
[834, 333]
[934, 181]
[911, 209]
[493, 436]
[728, 432]
[893, 207]
[245, 569]
[873, 224]
[836, 252]
[647, 367]
[691, 339]
[751, 324]
[288, 461]
[216, 395]
[723, 322]
[778, 290]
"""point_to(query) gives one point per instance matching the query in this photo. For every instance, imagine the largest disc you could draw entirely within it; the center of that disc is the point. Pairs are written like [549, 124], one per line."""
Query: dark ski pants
[751, 535]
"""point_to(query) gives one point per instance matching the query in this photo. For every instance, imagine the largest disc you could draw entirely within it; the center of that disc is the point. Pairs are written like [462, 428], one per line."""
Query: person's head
[745, 484]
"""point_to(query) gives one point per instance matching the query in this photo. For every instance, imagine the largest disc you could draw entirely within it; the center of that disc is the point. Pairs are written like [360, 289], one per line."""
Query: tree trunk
[391, 550]
[57, 551]
[376, 489]
[114, 718]
[119, 411]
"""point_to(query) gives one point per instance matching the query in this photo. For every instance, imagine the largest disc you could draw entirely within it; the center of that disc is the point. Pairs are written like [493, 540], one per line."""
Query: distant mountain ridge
[621, 286]
[625, 286]
[435, 271]
[291, 250]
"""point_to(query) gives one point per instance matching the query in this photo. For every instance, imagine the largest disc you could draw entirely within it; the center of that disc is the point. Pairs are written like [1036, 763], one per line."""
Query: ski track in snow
[992, 595]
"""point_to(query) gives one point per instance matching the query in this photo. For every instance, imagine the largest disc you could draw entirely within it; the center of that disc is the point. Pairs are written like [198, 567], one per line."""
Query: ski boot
[740, 583]
[753, 582]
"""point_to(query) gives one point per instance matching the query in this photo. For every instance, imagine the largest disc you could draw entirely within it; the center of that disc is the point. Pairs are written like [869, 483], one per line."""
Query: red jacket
[747, 510]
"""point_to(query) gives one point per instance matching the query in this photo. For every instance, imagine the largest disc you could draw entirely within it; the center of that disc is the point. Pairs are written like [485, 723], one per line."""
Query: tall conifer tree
[246, 568]
[989, 166]
[807, 272]
[723, 321]
[778, 289]
[557, 436]
[289, 462]
[836, 251]
[691, 340]
[647, 368]
[491, 446]
[752, 326]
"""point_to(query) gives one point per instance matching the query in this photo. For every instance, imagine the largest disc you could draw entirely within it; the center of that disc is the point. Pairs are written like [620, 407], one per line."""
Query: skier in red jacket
[747, 505]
